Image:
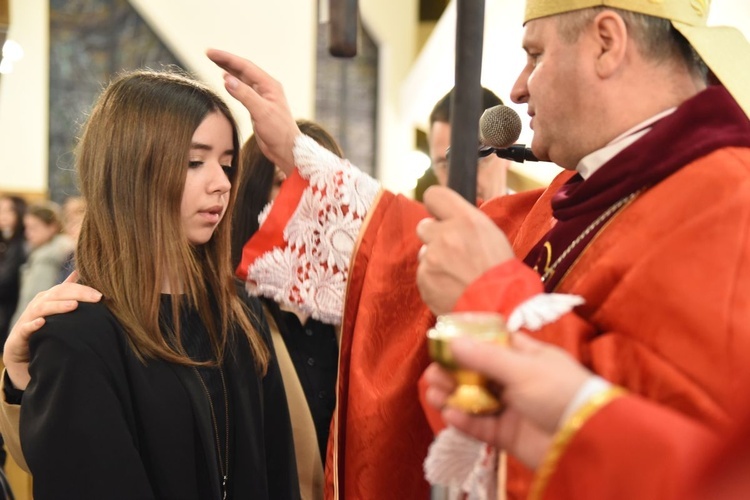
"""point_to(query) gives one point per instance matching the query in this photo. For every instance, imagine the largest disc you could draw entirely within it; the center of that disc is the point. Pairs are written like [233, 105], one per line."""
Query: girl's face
[8, 216]
[38, 232]
[206, 194]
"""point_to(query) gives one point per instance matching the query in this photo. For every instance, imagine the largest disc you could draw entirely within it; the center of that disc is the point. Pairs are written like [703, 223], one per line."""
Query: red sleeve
[631, 448]
[501, 289]
[270, 235]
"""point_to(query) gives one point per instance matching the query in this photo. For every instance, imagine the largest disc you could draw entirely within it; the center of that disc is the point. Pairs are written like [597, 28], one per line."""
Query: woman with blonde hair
[48, 250]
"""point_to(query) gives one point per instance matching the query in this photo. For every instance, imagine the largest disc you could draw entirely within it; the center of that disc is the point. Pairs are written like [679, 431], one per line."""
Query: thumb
[443, 202]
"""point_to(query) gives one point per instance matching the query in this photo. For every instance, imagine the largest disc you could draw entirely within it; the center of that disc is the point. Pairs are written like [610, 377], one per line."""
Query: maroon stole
[705, 123]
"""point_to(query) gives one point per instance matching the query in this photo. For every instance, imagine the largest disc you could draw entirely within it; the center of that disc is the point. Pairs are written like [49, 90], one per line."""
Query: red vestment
[633, 448]
[666, 283]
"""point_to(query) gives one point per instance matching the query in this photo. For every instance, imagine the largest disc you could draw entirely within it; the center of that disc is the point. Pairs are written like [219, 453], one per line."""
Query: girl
[165, 388]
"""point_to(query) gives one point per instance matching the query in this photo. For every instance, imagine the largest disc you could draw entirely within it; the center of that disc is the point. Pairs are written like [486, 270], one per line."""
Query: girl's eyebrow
[206, 147]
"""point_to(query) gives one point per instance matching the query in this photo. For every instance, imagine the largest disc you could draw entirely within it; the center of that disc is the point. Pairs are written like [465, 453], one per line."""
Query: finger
[249, 98]
[27, 328]
[72, 277]
[523, 343]
[425, 229]
[498, 362]
[480, 427]
[48, 308]
[444, 203]
[438, 377]
[71, 291]
[436, 397]
[242, 68]
[242, 78]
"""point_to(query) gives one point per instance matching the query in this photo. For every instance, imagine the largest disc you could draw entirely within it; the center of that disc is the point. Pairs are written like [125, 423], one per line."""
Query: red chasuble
[666, 281]
[633, 448]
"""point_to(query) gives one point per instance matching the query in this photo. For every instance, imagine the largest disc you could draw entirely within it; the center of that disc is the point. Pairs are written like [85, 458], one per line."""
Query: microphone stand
[466, 103]
[517, 152]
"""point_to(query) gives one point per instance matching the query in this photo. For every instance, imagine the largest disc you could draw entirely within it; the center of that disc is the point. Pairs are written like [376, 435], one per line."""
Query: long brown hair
[132, 160]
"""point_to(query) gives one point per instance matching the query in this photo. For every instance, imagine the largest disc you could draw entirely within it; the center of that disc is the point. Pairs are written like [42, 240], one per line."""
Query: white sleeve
[310, 271]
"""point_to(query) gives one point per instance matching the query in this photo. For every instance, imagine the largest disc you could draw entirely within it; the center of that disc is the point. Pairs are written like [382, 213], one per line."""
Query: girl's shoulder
[90, 326]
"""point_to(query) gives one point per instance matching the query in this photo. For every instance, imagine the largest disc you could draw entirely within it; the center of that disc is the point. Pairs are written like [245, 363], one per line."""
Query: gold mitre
[724, 49]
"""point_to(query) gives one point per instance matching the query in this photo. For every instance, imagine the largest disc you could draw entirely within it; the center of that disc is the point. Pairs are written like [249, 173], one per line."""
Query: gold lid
[472, 324]
[724, 49]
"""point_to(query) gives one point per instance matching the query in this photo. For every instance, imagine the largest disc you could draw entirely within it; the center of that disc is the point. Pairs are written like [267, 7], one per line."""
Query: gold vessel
[472, 394]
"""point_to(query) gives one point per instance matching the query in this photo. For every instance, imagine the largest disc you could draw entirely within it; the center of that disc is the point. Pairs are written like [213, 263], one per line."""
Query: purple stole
[705, 123]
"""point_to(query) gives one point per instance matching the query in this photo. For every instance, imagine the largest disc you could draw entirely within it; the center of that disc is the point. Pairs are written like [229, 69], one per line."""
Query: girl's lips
[212, 217]
[212, 214]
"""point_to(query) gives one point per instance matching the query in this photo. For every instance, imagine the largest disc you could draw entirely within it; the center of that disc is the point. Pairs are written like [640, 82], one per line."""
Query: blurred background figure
[307, 349]
[492, 171]
[73, 210]
[12, 256]
[48, 251]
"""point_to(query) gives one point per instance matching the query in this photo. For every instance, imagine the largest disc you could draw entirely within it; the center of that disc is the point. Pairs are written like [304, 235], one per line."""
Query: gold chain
[223, 466]
[550, 270]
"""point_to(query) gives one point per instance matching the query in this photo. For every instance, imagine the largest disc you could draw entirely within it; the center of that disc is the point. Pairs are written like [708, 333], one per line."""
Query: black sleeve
[13, 396]
[74, 431]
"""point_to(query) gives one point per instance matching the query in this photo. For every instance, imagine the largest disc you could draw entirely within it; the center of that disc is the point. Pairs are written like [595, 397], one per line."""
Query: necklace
[223, 464]
[550, 270]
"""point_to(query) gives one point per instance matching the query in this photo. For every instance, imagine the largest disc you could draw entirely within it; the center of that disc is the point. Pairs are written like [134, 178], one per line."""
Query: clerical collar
[592, 161]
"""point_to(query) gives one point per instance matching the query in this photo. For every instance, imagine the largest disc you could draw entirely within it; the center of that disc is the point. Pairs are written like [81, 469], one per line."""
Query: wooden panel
[29, 196]
[4, 14]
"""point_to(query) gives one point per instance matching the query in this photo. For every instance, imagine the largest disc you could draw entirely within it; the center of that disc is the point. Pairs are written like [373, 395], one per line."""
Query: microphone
[499, 128]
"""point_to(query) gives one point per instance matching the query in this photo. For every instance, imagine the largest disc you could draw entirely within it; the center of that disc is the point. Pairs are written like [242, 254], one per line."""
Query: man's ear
[611, 35]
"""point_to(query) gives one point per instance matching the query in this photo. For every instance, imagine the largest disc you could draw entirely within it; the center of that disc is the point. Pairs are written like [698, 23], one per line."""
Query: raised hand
[273, 123]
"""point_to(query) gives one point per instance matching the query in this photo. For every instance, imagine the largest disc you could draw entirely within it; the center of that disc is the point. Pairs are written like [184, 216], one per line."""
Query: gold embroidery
[547, 268]
[565, 435]
[550, 269]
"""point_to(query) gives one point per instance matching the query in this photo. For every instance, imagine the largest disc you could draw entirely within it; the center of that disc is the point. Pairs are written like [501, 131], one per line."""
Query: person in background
[167, 387]
[73, 210]
[48, 250]
[307, 349]
[492, 171]
[12, 256]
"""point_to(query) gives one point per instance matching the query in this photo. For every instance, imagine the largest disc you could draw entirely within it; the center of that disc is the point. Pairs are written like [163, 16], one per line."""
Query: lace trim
[310, 271]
